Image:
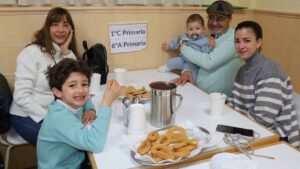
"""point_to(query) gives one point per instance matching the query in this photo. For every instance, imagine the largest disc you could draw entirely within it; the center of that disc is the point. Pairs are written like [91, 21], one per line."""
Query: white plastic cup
[217, 102]
[95, 83]
[96, 99]
[120, 75]
[137, 119]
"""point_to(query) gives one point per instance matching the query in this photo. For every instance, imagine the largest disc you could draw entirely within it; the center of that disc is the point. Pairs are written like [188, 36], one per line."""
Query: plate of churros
[135, 92]
[169, 145]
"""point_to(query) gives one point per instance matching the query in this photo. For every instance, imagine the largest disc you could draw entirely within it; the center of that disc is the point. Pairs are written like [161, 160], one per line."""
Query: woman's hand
[65, 46]
[111, 92]
[88, 117]
[185, 77]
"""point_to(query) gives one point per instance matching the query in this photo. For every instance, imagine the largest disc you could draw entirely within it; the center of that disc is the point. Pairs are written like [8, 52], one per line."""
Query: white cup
[137, 119]
[96, 99]
[95, 83]
[217, 101]
[120, 75]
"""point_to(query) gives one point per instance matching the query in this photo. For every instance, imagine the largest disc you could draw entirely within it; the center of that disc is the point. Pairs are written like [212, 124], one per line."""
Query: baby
[194, 37]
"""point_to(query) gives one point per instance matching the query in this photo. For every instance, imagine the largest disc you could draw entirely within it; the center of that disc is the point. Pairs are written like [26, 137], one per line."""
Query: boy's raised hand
[165, 46]
[111, 93]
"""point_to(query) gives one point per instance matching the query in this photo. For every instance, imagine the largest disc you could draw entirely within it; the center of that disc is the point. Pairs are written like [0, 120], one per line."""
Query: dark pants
[26, 127]
[86, 163]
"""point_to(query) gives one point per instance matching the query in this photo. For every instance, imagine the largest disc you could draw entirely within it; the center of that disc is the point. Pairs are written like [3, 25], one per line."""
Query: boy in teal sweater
[63, 137]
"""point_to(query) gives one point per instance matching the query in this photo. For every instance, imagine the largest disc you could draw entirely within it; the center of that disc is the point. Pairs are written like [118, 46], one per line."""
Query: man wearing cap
[217, 68]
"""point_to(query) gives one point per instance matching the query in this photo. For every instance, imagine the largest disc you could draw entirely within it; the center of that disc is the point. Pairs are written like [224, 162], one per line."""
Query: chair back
[5, 101]
[14, 138]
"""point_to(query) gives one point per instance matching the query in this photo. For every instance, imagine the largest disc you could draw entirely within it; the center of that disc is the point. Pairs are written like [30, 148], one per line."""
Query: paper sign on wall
[127, 37]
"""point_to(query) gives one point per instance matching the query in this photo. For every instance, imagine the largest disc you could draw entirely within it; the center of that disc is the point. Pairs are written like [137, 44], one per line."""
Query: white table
[285, 157]
[194, 108]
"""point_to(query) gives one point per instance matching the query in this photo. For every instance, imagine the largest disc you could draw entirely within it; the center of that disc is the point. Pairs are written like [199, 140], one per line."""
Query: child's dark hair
[60, 72]
[195, 18]
[253, 26]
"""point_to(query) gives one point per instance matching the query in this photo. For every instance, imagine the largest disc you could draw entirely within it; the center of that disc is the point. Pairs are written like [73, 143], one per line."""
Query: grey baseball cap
[220, 7]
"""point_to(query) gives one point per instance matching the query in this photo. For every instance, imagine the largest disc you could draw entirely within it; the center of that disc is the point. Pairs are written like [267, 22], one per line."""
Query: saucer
[232, 161]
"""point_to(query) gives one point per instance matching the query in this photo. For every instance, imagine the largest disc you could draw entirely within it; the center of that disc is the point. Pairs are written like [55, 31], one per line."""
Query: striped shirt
[264, 92]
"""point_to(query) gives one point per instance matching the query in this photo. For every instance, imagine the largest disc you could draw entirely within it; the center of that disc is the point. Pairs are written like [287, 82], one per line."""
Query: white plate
[143, 98]
[147, 89]
[230, 160]
[148, 161]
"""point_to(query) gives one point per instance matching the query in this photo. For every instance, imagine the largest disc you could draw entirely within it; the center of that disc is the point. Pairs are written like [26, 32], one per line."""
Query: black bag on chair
[96, 58]
[5, 101]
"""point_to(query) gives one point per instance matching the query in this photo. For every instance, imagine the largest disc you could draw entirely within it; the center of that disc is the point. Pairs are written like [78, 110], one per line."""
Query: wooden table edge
[276, 143]
[257, 148]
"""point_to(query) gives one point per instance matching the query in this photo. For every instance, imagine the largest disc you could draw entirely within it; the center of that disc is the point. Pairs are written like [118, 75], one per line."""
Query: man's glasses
[217, 18]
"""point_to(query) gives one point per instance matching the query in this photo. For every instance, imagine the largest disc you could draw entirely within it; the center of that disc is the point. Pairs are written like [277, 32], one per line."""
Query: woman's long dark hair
[43, 37]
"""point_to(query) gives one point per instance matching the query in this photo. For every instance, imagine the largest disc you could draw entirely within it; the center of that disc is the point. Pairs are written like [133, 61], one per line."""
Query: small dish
[217, 160]
[230, 160]
[132, 91]
[142, 98]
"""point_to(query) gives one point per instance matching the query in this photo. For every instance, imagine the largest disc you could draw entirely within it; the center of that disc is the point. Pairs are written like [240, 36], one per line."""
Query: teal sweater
[217, 68]
[63, 138]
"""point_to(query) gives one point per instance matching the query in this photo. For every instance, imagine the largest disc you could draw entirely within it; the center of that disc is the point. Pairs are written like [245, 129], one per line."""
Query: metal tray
[150, 163]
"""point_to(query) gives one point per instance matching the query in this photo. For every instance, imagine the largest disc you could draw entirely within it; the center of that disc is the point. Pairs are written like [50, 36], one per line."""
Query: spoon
[126, 102]
[135, 100]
